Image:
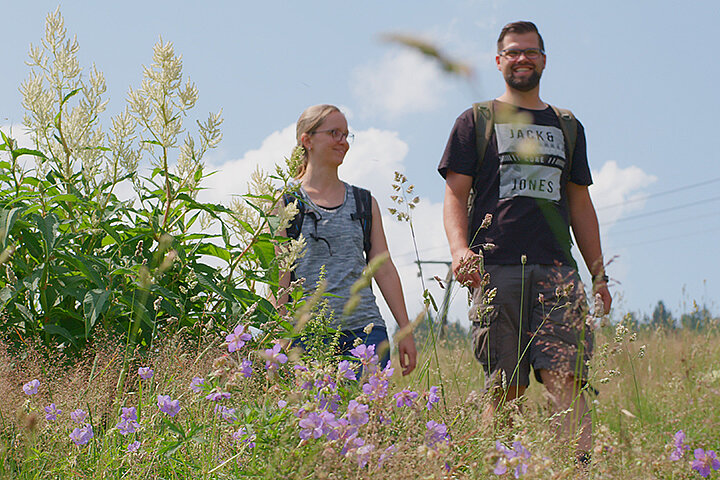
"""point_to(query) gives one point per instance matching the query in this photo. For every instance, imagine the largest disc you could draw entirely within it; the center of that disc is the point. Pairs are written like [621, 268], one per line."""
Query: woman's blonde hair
[308, 122]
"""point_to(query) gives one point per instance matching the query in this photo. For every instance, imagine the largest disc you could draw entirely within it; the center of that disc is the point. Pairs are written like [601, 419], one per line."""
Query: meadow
[139, 339]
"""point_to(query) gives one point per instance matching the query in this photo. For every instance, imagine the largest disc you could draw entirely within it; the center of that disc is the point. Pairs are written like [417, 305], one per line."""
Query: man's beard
[525, 84]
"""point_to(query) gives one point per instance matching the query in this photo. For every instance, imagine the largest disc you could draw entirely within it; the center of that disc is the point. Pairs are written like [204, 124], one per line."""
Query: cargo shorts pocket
[484, 335]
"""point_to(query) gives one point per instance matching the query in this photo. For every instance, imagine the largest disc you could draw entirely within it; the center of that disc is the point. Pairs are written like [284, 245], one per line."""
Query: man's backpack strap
[363, 213]
[568, 125]
[293, 231]
[484, 116]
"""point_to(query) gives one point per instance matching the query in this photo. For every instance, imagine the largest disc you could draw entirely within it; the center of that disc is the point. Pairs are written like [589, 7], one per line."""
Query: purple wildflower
[146, 373]
[366, 354]
[128, 421]
[242, 436]
[82, 435]
[129, 413]
[433, 396]
[363, 454]
[127, 426]
[345, 370]
[329, 402]
[357, 413]
[171, 407]
[311, 426]
[282, 403]
[375, 388]
[389, 451]
[78, 416]
[227, 414]
[31, 387]
[246, 368]
[406, 398]
[507, 454]
[51, 412]
[216, 396]
[274, 357]
[680, 447]
[237, 339]
[705, 462]
[197, 384]
[436, 432]
[133, 447]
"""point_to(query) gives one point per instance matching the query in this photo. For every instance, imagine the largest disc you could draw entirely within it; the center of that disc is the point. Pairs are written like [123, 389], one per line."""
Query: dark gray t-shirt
[526, 193]
[335, 241]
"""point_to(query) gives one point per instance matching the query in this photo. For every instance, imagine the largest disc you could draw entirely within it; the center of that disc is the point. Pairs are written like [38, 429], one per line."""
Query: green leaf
[7, 220]
[69, 96]
[215, 251]
[48, 226]
[94, 305]
[27, 151]
[60, 331]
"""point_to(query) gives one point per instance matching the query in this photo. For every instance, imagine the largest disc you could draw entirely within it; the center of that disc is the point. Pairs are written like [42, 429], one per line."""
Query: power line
[663, 210]
[665, 239]
[664, 224]
[659, 194]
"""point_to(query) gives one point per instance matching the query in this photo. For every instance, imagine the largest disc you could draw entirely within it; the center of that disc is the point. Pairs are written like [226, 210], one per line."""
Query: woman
[335, 238]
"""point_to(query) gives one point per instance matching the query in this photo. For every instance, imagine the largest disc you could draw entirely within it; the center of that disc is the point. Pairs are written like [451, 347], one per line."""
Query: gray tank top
[335, 240]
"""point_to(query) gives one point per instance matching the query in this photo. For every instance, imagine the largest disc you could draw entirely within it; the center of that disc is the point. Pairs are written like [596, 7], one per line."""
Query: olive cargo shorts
[537, 320]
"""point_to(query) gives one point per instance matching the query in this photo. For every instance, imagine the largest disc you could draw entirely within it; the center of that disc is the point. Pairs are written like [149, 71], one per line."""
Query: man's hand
[601, 289]
[407, 353]
[466, 268]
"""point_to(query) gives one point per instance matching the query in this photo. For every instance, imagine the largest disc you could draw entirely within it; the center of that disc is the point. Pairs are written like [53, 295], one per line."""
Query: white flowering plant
[78, 259]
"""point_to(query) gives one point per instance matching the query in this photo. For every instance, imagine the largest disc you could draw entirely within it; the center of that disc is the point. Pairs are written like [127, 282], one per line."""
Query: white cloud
[617, 191]
[402, 82]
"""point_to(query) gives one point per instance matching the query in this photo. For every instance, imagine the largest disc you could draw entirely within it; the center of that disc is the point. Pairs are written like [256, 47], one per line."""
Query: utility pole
[445, 305]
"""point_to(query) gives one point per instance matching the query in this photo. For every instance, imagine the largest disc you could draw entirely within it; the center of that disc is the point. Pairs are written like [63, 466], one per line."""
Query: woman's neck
[323, 185]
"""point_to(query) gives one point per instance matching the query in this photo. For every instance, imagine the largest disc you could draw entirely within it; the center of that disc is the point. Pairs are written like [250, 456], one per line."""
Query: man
[535, 191]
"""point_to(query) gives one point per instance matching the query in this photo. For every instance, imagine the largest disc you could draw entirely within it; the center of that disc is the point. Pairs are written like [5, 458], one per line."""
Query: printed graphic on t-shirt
[532, 158]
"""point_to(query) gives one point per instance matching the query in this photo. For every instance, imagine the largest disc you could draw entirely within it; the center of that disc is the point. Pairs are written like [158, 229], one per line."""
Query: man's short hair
[519, 27]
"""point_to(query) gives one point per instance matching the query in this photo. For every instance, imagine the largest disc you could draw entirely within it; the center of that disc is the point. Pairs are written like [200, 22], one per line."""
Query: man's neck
[530, 99]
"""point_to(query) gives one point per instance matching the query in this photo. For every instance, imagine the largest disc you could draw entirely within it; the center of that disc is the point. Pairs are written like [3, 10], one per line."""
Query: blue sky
[637, 74]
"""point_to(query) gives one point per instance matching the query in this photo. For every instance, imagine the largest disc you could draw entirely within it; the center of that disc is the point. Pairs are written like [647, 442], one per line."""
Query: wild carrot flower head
[51, 412]
[82, 435]
[170, 407]
[705, 462]
[146, 373]
[78, 416]
[236, 340]
[197, 384]
[274, 357]
[31, 387]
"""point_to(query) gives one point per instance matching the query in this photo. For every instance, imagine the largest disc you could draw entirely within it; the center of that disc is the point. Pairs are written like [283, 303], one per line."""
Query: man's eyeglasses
[514, 54]
[337, 135]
